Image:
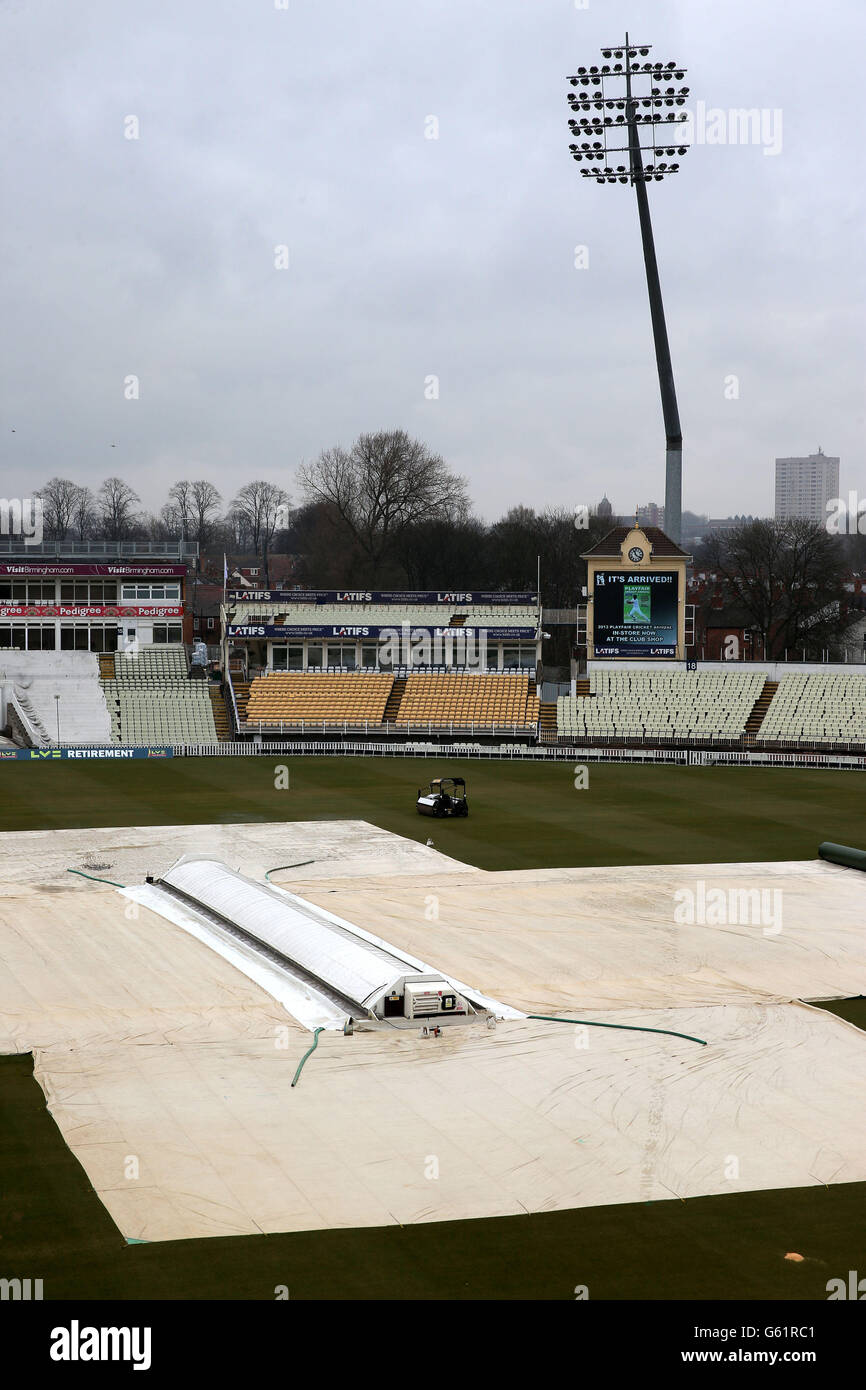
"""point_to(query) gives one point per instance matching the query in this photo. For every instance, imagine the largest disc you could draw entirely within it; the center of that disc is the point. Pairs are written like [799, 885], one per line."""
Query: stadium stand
[438, 699]
[469, 698]
[713, 705]
[151, 699]
[37, 677]
[355, 697]
[819, 708]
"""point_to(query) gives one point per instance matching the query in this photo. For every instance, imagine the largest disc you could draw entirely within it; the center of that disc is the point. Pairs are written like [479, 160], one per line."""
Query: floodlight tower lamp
[625, 115]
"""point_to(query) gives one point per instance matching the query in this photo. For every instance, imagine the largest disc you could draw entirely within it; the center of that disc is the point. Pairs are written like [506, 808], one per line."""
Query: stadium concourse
[155, 1037]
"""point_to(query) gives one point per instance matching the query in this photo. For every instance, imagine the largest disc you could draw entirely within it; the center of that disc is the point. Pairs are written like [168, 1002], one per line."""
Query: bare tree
[84, 513]
[257, 511]
[515, 542]
[180, 507]
[164, 527]
[237, 531]
[116, 502]
[383, 484]
[58, 498]
[788, 576]
[204, 504]
[189, 514]
[441, 554]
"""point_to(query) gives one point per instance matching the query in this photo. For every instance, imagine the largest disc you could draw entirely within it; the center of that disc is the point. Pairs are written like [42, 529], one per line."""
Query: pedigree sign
[59, 611]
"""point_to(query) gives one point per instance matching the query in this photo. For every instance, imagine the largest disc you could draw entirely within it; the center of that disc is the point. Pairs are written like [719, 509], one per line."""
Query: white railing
[520, 752]
[331, 726]
[237, 722]
[711, 742]
[29, 720]
[686, 757]
[84, 550]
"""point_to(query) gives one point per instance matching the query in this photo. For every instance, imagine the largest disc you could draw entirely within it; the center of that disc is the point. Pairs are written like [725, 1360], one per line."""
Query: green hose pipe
[309, 1052]
[94, 879]
[280, 867]
[627, 1027]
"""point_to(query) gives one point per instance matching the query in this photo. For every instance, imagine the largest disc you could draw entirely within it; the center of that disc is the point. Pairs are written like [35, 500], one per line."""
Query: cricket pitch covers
[169, 1070]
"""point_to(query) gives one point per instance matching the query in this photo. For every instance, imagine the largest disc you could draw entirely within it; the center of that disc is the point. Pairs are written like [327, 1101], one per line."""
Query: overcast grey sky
[412, 257]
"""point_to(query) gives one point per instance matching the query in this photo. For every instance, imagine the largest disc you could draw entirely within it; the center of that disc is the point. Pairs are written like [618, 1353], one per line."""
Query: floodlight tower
[637, 101]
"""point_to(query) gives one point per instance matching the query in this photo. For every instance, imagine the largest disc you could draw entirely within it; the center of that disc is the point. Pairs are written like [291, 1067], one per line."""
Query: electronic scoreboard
[635, 614]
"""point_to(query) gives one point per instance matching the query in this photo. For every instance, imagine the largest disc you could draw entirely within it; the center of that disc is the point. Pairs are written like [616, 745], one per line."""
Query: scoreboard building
[636, 591]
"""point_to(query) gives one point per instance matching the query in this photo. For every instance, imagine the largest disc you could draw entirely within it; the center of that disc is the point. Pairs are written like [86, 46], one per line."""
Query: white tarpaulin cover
[127, 853]
[560, 939]
[534, 1117]
[148, 1043]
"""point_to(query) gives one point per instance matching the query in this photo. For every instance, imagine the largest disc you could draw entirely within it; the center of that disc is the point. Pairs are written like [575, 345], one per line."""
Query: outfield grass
[52, 1225]
[521, 816]
[852, 1010]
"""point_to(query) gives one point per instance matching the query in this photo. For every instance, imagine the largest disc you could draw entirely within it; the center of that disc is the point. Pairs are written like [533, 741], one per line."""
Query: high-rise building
[804, 486]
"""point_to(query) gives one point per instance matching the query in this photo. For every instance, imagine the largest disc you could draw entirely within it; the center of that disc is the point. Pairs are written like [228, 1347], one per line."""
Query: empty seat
[151, 699]
[661, 704]
[299, 697]
[824, 707]
[469, 699]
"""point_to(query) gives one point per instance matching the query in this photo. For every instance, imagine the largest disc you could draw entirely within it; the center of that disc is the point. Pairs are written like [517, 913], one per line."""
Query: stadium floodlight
[634, 108]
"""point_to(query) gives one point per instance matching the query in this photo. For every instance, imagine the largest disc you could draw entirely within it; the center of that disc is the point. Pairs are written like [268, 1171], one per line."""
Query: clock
[635, 554]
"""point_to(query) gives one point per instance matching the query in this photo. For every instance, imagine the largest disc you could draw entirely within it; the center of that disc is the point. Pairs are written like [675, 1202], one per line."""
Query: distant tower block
[804, 486]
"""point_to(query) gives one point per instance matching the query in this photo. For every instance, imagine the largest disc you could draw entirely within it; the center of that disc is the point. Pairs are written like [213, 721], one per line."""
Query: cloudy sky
[304, 124]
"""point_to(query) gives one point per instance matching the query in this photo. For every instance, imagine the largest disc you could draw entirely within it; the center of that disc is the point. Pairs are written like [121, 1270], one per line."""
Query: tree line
[193, 511]
[389, 512]
[385, 512]
[790, 582]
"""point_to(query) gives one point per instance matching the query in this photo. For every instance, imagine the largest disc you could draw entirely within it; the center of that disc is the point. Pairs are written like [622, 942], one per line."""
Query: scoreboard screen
[635, 614]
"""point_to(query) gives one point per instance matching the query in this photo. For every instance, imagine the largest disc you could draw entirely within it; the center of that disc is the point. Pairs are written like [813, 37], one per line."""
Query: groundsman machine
[446, 796]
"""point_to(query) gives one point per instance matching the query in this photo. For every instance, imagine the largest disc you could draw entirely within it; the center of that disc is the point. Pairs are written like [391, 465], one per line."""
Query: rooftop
[182, 551]
[611, 544]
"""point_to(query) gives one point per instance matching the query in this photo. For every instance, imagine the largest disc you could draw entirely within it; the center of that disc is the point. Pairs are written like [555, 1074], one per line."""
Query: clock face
[635, 554]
